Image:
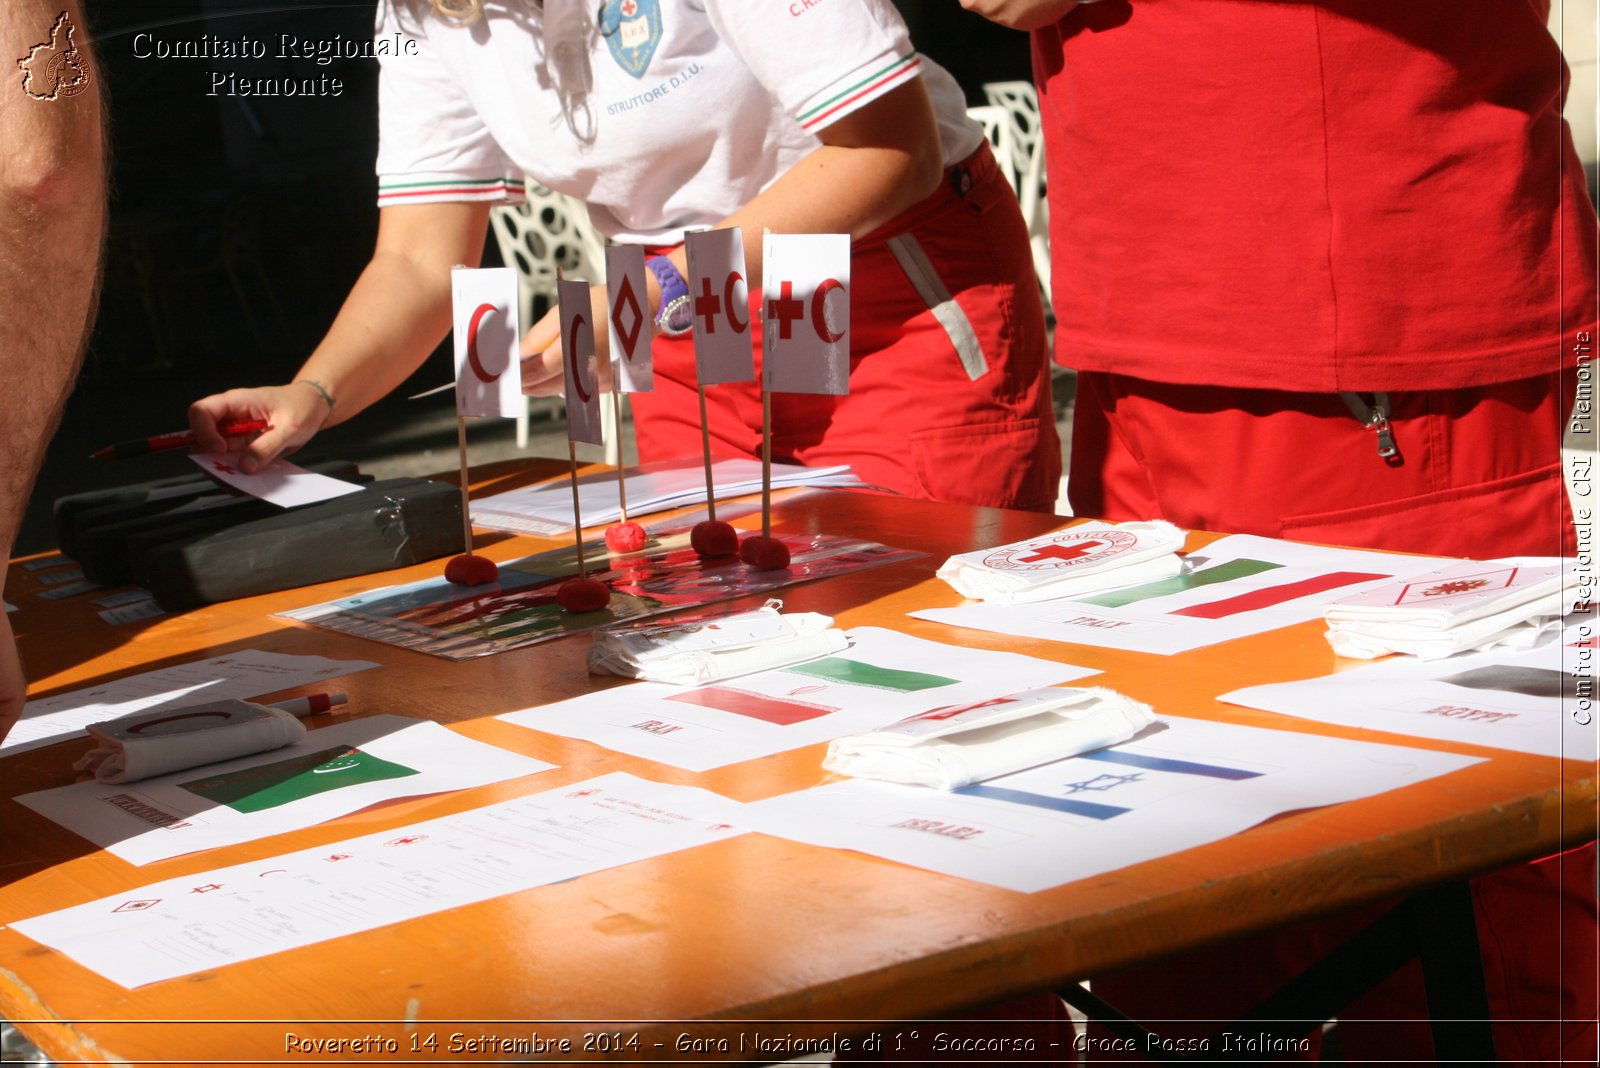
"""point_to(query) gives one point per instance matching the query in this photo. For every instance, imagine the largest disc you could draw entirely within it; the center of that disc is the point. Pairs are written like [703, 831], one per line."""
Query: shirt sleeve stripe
[901, 70]
[466, 189]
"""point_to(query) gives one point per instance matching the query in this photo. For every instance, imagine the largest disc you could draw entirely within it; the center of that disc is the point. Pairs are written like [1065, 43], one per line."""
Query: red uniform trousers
[1480, 477]
[922, 418]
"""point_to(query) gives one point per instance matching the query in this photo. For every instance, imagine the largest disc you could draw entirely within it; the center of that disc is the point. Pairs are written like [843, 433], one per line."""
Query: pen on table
[310, 704]
[178, 439]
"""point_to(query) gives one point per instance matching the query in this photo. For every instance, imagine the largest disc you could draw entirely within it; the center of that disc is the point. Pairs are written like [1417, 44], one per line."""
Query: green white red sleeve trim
[856, 90]
[397, 189]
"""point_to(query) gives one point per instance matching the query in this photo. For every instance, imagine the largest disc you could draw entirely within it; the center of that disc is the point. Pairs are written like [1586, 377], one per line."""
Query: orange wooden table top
[749, 929]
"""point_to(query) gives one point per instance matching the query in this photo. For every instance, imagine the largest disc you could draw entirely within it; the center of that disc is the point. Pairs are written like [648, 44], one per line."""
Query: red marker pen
[178, 439]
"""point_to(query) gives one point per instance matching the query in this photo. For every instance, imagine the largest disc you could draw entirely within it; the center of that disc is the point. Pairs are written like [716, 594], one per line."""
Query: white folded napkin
[948, 748]
[1081, 560]
[1476, 604]
[695, 650]
[146, 744]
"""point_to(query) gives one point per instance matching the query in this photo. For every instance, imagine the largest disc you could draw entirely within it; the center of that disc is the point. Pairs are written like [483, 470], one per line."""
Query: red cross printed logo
[1064, 550]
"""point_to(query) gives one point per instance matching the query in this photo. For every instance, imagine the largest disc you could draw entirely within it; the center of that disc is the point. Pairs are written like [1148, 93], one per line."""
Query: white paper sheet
[1168, 790]
[247, 673]
[1236, 586]
[1529, 702]
[883, 677]
[331, 772]
[280, 482]
[211, 919]
[546, 509]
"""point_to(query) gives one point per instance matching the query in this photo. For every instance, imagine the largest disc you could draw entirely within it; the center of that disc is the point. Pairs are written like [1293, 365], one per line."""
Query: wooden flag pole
[577, 513]
[705, 447]
[622, 481]
[466, 508]
[766, 462]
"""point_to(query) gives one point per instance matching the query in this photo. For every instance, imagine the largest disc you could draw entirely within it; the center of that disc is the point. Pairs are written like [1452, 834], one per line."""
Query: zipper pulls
[1374, 415]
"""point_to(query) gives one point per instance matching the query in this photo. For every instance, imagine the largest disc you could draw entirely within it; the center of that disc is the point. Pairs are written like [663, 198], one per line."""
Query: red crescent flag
[805, 305]
[577, 356]
[720, 299]
[487, 329]
[631, 368]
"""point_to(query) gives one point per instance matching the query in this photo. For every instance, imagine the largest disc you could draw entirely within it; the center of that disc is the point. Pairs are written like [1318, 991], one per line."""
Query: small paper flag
[631, 369]
[806, 301]
[578, 359]
[720, 298]
[487, 330]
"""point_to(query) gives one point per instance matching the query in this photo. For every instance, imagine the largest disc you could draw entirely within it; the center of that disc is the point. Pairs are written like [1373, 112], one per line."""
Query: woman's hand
[543, 350]
[293, 413]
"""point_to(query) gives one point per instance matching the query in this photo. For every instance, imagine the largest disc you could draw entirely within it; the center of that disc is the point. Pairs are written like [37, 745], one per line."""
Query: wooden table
[749, 929]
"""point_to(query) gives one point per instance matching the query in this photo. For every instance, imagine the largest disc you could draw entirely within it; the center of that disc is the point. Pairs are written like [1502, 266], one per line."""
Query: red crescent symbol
[728, 303]
[472, 342]
[572, 358]
[819, 310]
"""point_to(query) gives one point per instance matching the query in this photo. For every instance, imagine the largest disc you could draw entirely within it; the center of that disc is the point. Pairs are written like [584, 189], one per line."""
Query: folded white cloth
[693, 651]
[949, 748]
[146, 744]
[1085, 559]
[1476, 604]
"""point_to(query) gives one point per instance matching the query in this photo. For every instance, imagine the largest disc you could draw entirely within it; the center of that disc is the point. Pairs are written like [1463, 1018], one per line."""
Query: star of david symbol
[407, 840]
[206, 889]
[225, 469]
[1102, 783]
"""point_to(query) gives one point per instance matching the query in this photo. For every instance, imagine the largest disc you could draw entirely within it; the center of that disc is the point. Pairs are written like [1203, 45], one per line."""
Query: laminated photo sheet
[211, 919]
[330, 772]
[1236, 586]
[441, 618]
[883, 677]
[1182, 783]
[1529, 702]
[244, 674]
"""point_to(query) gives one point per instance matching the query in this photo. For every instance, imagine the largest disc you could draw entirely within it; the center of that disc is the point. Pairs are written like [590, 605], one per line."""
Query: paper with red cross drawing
[280, 482]
[805, 302]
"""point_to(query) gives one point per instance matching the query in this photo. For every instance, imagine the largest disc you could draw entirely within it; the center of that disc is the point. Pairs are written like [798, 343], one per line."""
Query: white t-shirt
[671, 115]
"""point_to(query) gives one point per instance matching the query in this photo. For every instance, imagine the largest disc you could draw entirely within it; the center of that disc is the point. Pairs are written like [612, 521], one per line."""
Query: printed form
[328, 773]
[1234, 587]
[882, 678]
[211, 919]
[1180, 784]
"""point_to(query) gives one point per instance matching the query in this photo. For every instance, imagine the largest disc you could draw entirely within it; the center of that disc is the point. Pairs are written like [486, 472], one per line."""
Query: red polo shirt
[1341, 195]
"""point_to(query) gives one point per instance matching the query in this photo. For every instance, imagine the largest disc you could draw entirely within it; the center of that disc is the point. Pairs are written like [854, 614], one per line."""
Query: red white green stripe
[448, 189]
[851, 96]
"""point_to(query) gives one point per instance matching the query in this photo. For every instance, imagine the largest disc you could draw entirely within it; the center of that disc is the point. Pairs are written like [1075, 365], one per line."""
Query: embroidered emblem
[632, 29]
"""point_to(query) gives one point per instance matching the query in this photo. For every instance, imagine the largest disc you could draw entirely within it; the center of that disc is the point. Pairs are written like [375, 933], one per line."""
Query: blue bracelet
[675, 317]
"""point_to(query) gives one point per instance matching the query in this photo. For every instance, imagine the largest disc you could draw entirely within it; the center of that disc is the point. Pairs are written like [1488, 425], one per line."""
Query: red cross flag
[577, 357]
[488, 369]
[720, 298]
[631, 369]
[806, 301]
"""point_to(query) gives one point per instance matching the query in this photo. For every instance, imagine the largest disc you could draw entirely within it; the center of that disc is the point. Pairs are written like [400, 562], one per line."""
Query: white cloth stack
[146, 744]
[695, 650]
[1476, 604]
[1079, 561]
[949, 748]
